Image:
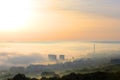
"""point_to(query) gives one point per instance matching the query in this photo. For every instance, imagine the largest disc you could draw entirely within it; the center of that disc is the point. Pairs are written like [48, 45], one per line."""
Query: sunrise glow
[14, 14]
[51, 20]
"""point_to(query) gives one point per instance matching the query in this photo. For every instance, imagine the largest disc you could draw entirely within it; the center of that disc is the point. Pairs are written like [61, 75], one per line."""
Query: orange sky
[52, 20]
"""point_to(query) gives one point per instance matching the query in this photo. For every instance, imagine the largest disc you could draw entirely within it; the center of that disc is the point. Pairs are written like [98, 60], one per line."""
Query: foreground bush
[74, 76]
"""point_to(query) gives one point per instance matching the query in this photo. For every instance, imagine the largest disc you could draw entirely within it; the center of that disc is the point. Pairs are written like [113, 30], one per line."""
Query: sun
[14, 14]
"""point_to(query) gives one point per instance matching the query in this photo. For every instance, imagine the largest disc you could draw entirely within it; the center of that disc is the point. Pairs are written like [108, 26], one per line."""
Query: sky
[55, 20]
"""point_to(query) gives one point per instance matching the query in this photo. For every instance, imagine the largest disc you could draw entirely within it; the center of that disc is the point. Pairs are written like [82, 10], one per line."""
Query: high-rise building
[61, 57]
[52, 57]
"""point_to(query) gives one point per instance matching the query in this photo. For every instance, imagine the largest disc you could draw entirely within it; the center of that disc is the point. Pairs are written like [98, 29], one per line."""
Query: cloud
[25, 59]
[108, 8]
[19, 59]
[105, 54]
[3, 54]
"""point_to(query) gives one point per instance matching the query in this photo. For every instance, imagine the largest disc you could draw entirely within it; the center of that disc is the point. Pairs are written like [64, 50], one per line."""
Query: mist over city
[59, 40]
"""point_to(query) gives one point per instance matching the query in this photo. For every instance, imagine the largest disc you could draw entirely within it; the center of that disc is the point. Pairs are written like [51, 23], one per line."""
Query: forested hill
[110, 72]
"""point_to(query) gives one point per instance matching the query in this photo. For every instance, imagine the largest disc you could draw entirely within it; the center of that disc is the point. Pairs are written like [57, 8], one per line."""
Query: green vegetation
[108, 72]
[74, 76]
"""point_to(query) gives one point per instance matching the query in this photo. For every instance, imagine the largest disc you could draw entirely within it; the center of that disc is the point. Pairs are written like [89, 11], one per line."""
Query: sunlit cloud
[108, 8]
[52, 20]
[19, 59]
